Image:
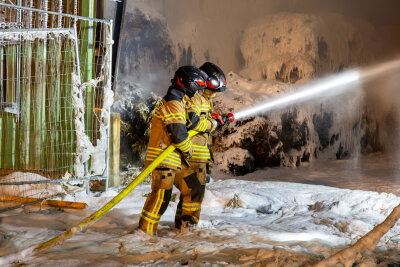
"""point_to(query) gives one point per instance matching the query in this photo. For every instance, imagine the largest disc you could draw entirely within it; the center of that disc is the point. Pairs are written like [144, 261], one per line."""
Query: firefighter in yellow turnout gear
[191, 180]
[172, 118]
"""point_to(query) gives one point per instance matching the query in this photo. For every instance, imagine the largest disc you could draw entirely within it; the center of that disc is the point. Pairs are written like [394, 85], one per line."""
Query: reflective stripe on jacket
[203, 108]
[168, 126]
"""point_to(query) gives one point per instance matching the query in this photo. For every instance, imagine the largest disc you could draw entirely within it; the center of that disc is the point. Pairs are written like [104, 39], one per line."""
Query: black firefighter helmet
[190, 79]
[216, 80]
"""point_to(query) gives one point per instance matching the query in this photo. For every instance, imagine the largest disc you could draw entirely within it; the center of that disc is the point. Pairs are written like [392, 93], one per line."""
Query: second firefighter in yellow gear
[191, 180]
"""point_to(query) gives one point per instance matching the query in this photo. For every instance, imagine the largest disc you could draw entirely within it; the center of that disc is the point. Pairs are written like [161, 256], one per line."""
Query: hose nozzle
[229, 118]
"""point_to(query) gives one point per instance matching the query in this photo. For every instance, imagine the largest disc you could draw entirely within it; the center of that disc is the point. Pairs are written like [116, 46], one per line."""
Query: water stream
[325, 87]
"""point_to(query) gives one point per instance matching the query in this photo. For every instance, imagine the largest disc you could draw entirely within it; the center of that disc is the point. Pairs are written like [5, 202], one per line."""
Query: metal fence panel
[55, 98]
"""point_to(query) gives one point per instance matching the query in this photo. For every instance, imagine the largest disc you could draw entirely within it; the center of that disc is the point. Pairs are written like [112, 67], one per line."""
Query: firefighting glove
[217, 120]
[223, 120]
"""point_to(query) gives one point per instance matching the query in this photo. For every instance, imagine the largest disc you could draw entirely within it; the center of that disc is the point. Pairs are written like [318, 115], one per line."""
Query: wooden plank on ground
[53, 203]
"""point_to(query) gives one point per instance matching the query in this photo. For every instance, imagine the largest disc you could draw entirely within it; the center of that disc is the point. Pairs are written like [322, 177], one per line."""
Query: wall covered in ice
[288, 47]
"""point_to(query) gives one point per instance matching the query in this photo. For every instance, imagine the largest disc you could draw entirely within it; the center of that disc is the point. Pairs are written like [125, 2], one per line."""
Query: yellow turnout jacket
[201, 141]
[172, 118]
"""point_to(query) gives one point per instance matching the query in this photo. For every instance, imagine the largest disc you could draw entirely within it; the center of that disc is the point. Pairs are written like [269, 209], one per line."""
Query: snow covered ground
[274, 222]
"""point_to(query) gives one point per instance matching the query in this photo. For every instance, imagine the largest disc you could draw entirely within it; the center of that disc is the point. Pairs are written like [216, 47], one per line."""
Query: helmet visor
[216, 84]
[220, 89]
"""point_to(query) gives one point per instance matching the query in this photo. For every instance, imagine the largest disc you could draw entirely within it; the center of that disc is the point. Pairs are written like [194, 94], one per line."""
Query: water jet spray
[329, 86]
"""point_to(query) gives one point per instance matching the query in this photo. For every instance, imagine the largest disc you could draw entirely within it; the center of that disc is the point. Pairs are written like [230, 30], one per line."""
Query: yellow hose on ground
[58, 240]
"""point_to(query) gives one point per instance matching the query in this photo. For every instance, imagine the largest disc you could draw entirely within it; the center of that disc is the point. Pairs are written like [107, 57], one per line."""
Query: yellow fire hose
[58, 240]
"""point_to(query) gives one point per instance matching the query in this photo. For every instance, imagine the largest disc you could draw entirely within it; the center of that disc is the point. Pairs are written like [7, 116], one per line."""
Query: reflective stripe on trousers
[191, 183]
[157, 201]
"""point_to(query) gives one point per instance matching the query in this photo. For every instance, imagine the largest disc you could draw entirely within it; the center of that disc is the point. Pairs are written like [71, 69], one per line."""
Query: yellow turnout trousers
[191, 183]
[157, 201]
